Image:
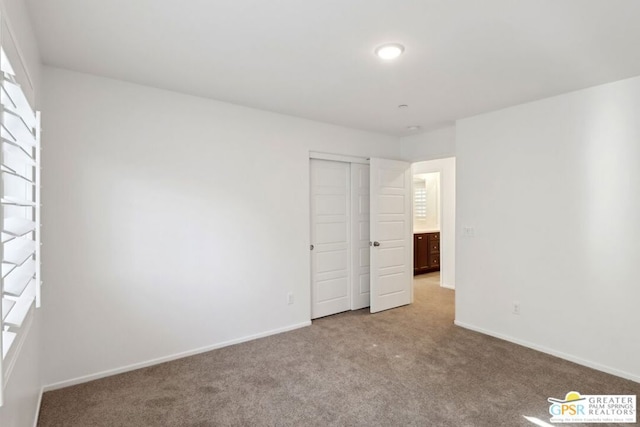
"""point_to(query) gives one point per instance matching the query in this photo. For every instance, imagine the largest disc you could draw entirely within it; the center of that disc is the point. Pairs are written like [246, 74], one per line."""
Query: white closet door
[330, 237]
[391, 227]
[360, 276]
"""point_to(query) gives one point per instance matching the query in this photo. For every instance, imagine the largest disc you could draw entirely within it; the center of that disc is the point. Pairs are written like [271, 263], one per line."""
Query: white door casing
[360, 214]
[330, 237]
[390, 234]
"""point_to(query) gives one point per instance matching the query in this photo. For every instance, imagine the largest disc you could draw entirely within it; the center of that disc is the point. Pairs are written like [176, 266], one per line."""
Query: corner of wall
[431, 145]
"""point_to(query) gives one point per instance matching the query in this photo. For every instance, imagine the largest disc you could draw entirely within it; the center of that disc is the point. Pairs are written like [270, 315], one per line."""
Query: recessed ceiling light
[389, 51]
[403, 106]
[413, 127]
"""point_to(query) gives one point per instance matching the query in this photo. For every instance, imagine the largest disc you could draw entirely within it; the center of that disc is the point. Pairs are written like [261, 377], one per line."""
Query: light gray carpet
[405, 367]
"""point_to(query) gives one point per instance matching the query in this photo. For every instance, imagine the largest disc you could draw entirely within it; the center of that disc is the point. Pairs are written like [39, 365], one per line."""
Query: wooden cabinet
[426, 252]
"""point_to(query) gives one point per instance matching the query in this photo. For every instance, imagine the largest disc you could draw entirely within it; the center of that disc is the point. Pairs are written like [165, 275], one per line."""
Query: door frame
[318, 155]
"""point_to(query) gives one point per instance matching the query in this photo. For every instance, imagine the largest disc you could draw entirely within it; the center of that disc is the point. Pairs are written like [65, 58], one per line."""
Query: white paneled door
[330, 237]
[391, 228]
[360, 235]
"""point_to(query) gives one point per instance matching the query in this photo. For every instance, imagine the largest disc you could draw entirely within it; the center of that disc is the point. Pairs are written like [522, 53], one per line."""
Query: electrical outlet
[289, 298]
[468, 231]
[516, 308]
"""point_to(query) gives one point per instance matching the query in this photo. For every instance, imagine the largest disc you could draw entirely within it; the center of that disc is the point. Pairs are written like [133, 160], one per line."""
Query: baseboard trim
[38, 406]
[453, 288]
[561, 355]
[139, 365]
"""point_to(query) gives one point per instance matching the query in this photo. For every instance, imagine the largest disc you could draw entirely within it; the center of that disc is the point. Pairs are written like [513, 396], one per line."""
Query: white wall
[551, 189]
[447, 169]
[157, 243]
[23, 388]
[435, 144]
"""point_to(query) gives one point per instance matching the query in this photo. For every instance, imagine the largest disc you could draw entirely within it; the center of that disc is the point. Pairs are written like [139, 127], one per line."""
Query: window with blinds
[420, 202]
[20, 248]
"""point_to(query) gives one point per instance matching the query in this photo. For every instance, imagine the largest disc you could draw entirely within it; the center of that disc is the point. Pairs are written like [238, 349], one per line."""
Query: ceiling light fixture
[413, 128]
[389, 51]
[403, 106]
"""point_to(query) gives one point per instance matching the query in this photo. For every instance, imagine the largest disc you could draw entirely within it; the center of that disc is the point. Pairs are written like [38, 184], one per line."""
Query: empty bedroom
[343, 213]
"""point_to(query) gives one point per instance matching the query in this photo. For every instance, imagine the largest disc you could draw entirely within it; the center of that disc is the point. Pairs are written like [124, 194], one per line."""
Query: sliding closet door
[330, 237]
[360, 235]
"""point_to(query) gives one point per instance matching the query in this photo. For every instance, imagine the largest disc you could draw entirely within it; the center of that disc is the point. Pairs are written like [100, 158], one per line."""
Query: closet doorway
[340, 236]
[360, 240]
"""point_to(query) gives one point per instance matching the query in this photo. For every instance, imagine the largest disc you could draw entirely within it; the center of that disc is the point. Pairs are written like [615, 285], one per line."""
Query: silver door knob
[376, 243]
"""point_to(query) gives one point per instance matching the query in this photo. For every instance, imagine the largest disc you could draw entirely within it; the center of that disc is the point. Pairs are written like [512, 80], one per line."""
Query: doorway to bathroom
[434, 220]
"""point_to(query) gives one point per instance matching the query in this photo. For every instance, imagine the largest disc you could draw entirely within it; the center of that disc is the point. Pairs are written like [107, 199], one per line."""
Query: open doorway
[426, 223]
[434, 221]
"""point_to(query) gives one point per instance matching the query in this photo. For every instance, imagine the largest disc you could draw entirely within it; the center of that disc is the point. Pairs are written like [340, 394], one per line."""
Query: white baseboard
[139, 365]
[442, 285]
[561, 355]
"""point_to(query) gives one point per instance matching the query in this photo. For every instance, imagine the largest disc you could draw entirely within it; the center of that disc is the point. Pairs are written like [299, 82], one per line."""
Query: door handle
[311, 247]
[376, 244]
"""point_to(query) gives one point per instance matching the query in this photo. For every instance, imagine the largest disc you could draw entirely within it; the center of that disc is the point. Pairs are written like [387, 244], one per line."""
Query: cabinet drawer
[434, 260]
[434, 246]
[433, 236]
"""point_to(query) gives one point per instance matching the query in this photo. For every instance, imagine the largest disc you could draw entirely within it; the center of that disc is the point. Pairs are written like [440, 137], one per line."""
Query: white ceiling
[314, 58]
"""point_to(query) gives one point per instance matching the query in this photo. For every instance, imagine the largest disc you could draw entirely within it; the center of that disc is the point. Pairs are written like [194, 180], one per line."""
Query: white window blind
[420, 202]
[20, 248]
